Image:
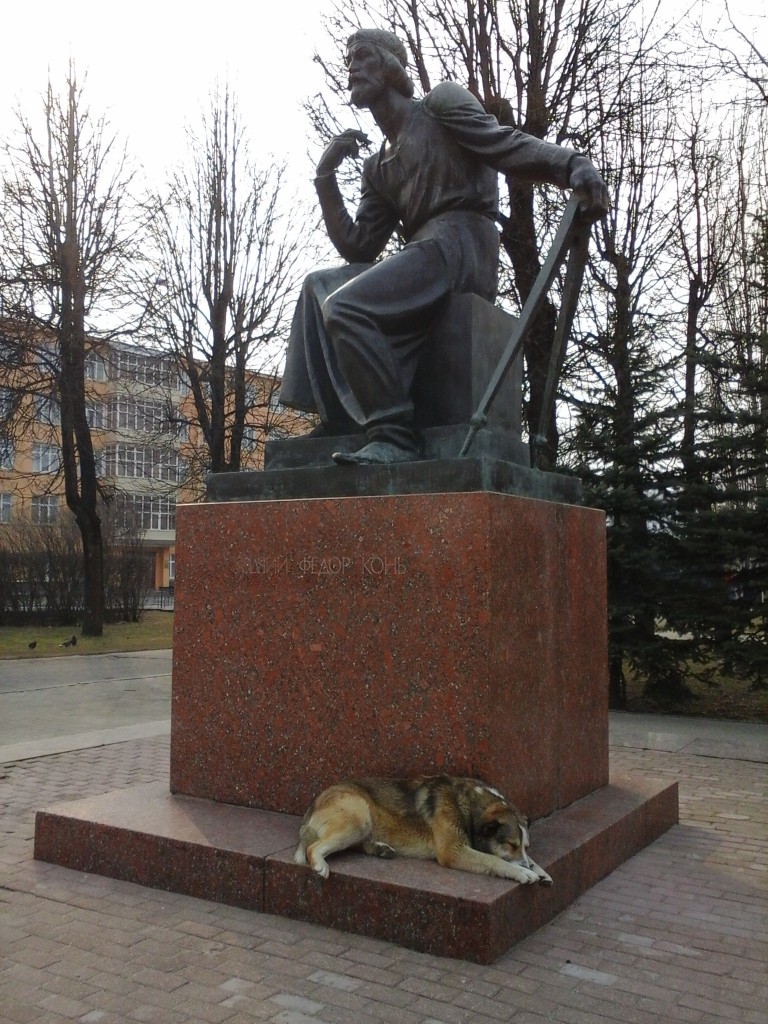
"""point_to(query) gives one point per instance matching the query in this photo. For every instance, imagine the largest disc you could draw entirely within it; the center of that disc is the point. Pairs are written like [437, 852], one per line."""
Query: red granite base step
[244, 857]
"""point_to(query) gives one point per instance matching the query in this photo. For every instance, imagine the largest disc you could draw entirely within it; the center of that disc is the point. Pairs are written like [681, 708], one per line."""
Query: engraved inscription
[280, 566]
[378, 565]
[330, 566]
[334, 566]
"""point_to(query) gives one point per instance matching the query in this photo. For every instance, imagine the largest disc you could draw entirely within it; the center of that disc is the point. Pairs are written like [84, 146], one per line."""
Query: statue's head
[391, 59]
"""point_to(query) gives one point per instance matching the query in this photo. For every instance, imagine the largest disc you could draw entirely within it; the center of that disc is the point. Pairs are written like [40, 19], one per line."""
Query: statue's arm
[362, 239]
[512, 152]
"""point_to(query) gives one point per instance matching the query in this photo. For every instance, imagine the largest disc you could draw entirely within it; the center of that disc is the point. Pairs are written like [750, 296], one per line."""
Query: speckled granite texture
[322, 639]
[146, 835]
[244, 858]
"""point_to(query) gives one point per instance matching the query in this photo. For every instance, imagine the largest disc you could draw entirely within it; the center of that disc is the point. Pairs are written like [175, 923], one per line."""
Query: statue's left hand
[590, 188]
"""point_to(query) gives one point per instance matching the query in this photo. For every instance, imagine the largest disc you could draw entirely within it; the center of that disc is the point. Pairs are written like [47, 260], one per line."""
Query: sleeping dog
[461, 823]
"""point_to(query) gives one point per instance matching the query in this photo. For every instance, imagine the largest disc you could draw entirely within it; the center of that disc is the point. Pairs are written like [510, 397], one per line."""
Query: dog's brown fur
[462, 823]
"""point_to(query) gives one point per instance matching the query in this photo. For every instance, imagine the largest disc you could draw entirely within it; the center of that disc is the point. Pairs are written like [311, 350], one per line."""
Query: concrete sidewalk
[742, 741]
[54, 705]
[676, 934]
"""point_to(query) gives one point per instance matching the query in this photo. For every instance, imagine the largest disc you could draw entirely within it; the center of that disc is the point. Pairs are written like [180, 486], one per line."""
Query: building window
[12, 353]
[94, 413]
[45, 458]
[171, 567]
[132, 461]
[6, 403]
[274, 403]
[151, 512]
[143, 416]
[173, 469]
[94, 367]
[47, 410]
[7, 453]
[180, 381]
[180, 428]
[47, 360]
[146, 368]
[45, 509]
[124, 460]
[5, 508]
[250, 434]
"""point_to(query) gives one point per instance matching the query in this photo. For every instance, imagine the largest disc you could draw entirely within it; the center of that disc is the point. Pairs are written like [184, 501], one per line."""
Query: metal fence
[159, 600]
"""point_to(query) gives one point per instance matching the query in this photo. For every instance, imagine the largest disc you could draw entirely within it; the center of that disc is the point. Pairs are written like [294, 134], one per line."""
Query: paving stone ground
[677, 934]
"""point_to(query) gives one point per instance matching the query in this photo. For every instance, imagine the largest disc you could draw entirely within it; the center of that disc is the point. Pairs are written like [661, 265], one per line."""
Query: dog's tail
[307, 836]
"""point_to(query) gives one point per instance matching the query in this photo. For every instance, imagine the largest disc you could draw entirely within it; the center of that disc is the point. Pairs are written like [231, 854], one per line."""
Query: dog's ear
[490, 820]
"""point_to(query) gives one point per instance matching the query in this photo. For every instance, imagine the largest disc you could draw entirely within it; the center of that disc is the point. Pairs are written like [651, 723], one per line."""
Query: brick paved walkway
[677, 934]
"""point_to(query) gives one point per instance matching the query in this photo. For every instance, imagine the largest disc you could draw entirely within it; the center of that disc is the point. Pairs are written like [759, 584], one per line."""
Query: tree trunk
[617, 683]
[688, 440]
[93, 584]
[80, 482]
[520, 242]
[78, 459]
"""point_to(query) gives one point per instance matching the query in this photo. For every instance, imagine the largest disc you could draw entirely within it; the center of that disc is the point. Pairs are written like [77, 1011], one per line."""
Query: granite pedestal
[396, 634]
[244, 857]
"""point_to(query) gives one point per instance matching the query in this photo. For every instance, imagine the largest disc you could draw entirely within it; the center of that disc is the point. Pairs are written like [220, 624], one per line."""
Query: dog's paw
[318, 865]
[382, 850]
[521, 875]
[545, 879]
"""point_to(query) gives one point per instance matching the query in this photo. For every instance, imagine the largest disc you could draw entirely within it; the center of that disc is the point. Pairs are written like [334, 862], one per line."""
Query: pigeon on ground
[69, 643]
[33, 645]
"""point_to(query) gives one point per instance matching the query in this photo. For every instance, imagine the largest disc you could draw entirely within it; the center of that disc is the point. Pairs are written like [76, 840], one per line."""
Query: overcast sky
[151, 63]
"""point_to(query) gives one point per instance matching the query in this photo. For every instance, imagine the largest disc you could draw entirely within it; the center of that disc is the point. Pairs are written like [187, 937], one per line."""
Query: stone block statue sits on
[359, 329]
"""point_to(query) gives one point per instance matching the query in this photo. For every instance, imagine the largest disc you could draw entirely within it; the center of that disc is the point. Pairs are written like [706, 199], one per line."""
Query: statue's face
[367, 81]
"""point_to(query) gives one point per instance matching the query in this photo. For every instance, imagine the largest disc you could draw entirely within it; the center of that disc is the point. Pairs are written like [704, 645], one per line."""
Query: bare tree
[228, 243]
[128, 565]
[42, 578]
[739, 374]
[744, 58]
[67, 244]
[706, 242]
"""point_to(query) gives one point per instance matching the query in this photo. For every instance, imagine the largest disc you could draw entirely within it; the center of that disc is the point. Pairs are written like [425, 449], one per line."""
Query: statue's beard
[364, 93]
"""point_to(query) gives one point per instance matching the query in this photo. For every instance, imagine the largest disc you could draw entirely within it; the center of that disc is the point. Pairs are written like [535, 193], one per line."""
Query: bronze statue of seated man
[358, 329]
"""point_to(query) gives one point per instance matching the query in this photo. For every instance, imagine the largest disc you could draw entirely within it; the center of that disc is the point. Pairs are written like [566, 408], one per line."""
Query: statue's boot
[377, 453]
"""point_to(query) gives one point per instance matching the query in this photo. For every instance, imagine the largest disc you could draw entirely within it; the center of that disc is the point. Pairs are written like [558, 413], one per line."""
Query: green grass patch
[724, 698]
[152, 633]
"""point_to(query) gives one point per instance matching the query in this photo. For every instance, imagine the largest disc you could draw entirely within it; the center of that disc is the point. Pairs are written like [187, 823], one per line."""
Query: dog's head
[503, 831]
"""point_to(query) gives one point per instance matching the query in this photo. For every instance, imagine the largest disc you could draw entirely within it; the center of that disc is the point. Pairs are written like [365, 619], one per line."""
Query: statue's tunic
[358, 329]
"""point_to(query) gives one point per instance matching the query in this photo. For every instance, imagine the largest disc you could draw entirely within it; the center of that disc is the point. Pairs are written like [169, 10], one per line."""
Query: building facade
[149, 447]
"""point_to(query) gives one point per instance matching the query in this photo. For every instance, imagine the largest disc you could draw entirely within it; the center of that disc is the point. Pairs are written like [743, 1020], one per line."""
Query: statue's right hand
[339, 148]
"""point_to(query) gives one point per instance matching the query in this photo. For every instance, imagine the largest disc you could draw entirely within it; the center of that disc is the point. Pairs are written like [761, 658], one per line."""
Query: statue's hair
[393, 54]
